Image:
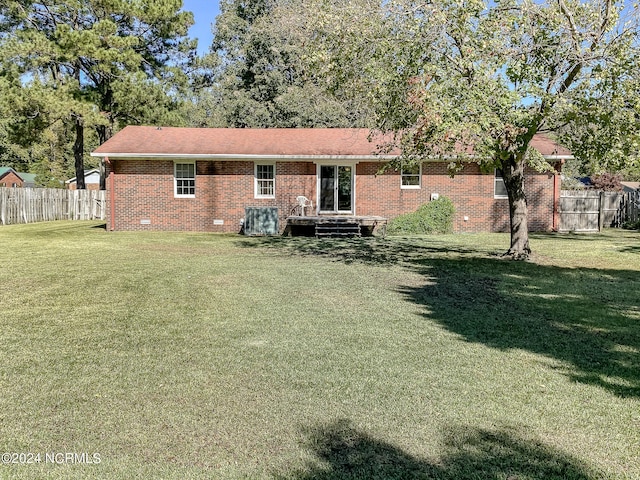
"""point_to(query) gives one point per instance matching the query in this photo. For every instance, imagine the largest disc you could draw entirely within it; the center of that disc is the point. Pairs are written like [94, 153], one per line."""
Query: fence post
[3, 205]
[601, 211]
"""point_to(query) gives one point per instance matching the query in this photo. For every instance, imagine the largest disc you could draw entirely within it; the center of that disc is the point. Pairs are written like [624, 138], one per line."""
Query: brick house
[10, 178]
[199, 179]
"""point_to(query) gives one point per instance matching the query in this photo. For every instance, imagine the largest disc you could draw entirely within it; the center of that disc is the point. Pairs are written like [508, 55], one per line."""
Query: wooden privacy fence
[591, 210]
[28, 205]
[632, 207]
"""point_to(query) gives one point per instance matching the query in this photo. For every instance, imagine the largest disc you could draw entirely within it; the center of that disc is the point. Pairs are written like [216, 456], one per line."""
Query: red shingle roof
[174, 141]
[548, 147]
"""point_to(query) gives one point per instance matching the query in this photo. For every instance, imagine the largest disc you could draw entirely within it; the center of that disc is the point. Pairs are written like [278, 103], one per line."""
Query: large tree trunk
[78, 152]
[513, 174]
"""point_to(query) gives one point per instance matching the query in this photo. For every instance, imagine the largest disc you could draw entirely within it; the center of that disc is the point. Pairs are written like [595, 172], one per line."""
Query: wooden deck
[335, 226]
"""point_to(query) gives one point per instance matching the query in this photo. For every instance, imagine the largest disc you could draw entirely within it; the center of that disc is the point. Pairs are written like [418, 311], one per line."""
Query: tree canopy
[451, 77]
[604, 133]
[261, 78]
[91, 63]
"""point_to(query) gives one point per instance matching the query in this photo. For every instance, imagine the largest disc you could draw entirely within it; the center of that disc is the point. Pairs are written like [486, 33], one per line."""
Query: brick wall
[89, 186]
[144, 192]
[471, 192]
[10, 179]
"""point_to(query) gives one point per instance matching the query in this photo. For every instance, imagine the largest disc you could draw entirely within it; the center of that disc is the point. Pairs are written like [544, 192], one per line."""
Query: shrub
[572, 183]
[631, 225]
[433, 217]
[609, 182]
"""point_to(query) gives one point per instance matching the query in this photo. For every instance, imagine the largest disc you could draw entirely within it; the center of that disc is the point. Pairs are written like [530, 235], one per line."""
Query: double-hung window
[184, 180]
[265, 180]
[410, 176]
[499, 188]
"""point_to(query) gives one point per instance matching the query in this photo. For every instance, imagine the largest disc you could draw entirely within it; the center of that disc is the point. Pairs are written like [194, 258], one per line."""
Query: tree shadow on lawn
[631, 249]
[587, 319]
[369, 250]
[343, 452]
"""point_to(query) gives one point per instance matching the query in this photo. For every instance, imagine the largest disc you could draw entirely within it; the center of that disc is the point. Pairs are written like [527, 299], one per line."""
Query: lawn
[177, 355]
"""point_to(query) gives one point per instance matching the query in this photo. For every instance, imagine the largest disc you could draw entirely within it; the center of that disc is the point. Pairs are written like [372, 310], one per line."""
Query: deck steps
[336, 228]
[348, 226]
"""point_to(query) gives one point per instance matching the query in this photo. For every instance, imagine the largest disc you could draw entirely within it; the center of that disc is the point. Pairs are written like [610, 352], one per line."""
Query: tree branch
[572, 24]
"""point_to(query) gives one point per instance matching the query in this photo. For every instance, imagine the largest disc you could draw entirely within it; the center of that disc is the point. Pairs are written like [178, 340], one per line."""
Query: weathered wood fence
[28, 205]
[592, 210]
[632, 207]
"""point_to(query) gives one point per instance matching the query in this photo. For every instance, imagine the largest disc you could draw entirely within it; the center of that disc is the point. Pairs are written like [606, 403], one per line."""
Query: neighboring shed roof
[140, 141]
[28, 177]
[87, 173]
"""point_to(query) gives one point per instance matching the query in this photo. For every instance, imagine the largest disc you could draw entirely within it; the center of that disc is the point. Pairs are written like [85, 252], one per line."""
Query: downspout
[556, 197]
[112, 195]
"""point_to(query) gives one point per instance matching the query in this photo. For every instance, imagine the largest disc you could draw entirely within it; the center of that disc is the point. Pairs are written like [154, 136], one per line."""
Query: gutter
[253, 156]
[240, 156]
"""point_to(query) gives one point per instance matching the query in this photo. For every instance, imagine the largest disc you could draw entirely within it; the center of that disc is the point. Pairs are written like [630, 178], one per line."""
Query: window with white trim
[499, 187]
[410, 176]
[184, 175]
[265, 180]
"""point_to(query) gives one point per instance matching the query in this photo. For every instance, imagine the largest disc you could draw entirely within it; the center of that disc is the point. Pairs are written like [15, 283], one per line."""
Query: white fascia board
[473, 158]
[291, 158]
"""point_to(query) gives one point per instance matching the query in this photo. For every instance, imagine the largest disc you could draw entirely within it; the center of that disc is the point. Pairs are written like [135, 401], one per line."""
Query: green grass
[176, 355]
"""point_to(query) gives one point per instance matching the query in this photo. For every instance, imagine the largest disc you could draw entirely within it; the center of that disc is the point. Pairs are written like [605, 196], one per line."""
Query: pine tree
[94, 64]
